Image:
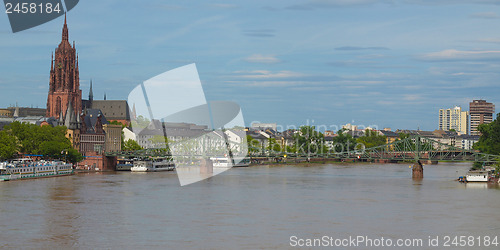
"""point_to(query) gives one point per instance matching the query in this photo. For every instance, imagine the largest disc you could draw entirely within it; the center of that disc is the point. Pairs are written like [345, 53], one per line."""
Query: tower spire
[91, 94]
[65, 30]
[52, 62]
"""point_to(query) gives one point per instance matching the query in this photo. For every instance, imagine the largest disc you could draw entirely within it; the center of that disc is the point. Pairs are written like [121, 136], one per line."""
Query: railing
[408, 149]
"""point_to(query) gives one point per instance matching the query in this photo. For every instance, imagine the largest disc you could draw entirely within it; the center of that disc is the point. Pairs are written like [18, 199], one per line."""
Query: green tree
[343, 142]
[372, 139]
[46, 140]
[8, 145]
[73, 155]
[274, 145]
[253, 144]
[131, 145]
[117, 123]
[489, 141]
[159, 141]
[308, 140]
[141, 122]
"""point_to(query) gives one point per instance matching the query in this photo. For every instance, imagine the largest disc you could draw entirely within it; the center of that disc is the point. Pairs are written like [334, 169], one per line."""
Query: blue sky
[322, 62]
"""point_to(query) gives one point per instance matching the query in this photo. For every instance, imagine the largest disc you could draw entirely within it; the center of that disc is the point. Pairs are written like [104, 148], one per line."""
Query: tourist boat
[27, 168]
[477, 176]
[153, 165]
[225, 162]
[124, 165]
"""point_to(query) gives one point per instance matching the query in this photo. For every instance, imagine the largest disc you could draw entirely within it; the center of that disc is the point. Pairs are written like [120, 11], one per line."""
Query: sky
[376, 63]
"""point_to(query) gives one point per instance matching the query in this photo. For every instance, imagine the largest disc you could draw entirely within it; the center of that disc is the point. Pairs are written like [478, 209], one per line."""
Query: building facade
[480, 112]
[454, 118]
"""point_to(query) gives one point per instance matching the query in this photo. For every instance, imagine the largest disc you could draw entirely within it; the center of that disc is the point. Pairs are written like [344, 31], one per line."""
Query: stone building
[64, 82]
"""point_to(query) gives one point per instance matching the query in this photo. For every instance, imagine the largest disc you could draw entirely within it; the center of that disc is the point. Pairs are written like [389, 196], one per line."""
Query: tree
[489, 142]
[131, 145]
[372, 139]
[253, 144]
[274, 145]
[117, 123]
[308, 140]
[159, 141]
[343, 142]
[73, 155]
[8, 145]
[141, 122]
[46, 140]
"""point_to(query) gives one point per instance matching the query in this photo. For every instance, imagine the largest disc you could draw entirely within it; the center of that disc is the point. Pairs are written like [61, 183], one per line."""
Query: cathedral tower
[64, 82]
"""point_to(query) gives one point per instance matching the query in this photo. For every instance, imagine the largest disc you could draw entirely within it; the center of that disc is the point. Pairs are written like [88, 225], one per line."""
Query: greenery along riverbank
[51, 142]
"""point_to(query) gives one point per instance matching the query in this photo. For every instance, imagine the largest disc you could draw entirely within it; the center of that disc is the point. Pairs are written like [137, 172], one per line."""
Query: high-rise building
[454, 118]
[64, 82]
[480, 112]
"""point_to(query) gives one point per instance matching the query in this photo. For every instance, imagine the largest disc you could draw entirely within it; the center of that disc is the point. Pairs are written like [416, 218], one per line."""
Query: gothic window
[58, 105]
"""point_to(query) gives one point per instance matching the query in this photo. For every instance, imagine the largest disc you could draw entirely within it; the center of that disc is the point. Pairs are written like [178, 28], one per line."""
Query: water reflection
[60, 214]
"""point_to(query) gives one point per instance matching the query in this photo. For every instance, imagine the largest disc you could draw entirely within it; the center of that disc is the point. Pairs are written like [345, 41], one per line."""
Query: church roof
[113, 109]
[91, 118]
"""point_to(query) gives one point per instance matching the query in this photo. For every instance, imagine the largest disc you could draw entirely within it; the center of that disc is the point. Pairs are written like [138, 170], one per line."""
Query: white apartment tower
[454, 118]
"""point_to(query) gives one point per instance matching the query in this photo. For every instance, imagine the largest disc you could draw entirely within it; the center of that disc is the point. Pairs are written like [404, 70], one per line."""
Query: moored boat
[478, 176]
[225, 162]
[26, 168]
[153, 165]
[124, 165]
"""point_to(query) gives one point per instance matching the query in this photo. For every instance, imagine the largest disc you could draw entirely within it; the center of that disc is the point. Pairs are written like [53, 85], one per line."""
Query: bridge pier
[206, 166]
[418, 170]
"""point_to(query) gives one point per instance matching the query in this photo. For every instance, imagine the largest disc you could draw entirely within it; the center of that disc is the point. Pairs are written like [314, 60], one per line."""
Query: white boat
[221, 162]
[477, 176]
[153, 166]
[225, 162]
[27, 168]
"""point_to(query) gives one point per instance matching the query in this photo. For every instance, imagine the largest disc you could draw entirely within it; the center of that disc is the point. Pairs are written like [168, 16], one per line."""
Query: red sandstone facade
[64, 83]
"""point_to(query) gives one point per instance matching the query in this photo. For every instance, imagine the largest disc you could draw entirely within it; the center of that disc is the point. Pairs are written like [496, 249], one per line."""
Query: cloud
[266, 74]
[457, 55]
[258, 58]
[485, 15]
[360, 48]
[260, 33]
[412, 97]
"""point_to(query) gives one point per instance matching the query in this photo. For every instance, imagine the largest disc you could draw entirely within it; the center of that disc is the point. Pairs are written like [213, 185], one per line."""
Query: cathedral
[86, 121]
[64, 82]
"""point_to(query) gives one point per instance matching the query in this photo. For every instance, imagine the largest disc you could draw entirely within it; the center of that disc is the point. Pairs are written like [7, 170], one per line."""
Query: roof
[113, 109]
[90, 119]
[389, 133]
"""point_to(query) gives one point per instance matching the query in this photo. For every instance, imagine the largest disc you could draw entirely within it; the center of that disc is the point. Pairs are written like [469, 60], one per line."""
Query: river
[259, 207]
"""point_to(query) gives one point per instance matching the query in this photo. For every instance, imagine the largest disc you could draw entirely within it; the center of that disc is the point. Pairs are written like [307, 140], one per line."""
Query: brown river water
[259, 207]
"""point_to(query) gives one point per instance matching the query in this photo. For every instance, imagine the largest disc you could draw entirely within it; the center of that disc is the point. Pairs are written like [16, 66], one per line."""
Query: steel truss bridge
[412, 148]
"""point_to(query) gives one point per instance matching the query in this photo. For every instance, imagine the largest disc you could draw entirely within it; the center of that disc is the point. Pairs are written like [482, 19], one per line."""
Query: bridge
[413, 148]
